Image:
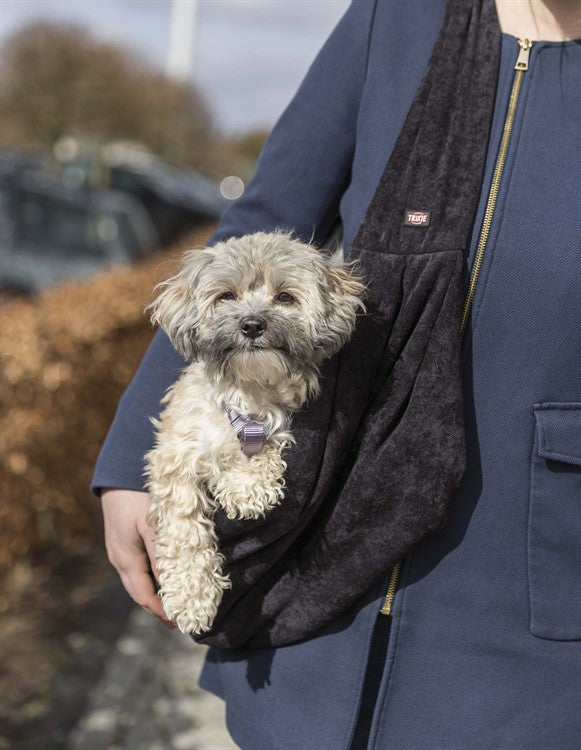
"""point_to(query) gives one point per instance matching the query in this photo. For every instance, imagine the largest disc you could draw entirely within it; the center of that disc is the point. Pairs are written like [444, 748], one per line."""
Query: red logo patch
[416, 218]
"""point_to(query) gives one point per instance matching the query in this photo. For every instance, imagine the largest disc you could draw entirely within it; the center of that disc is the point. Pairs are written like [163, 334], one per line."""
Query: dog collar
[251, 433]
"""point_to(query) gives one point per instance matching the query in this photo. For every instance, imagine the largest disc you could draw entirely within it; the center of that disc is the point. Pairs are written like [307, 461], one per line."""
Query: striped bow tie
[252, 434]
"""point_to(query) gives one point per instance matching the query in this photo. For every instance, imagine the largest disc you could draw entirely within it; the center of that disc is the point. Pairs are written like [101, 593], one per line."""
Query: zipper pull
[522, 61]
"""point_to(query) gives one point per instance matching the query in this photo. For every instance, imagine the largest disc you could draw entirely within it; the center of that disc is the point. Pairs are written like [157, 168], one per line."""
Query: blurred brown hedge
[66, 357]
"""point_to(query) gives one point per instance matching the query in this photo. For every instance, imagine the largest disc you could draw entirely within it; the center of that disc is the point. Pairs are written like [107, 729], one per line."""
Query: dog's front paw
[192, 589]
[253, 504]
[250, 488]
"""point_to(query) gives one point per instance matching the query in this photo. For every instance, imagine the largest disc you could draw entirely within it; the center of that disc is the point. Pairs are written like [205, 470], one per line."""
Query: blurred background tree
[59, 80]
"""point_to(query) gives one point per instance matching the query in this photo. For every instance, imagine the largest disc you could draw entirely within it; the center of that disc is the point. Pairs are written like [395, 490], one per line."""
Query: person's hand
[130, 548]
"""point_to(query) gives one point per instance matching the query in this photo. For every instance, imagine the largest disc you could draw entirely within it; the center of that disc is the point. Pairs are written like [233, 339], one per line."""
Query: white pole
[182, 35]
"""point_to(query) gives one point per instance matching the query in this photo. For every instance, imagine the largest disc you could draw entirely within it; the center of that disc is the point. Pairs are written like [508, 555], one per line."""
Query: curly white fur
[197, 464]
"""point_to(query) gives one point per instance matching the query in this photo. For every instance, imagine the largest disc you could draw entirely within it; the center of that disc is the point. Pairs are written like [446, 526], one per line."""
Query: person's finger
[139, 585]
[148, 536]
[140, 588]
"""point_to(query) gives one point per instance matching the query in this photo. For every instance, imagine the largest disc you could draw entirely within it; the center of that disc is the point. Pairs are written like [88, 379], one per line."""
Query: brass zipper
[391, 587]
[521, 66]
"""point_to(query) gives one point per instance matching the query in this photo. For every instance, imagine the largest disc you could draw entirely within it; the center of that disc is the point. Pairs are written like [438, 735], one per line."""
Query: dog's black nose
[252, 327]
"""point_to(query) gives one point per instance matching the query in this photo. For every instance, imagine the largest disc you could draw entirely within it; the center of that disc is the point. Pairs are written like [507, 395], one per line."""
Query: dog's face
[260, 307]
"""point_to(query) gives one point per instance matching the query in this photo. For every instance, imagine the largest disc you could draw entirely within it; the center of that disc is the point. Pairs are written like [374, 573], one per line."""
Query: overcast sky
[250, 55]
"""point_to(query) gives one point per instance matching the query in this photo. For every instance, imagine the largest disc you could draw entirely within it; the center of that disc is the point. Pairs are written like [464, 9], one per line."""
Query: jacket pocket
[554, 529]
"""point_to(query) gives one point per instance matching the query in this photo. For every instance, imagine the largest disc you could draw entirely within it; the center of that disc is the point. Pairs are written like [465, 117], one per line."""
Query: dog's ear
[342, 295]
[175, 309]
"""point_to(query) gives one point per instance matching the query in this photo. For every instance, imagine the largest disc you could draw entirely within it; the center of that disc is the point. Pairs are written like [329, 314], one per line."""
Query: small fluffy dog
[257, 315]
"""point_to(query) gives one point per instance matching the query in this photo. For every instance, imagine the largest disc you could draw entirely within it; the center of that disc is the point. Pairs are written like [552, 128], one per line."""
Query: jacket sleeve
[302, 172]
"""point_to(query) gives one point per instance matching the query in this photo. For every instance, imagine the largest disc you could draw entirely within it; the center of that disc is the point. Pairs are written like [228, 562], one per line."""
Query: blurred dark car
[176, 200]
[54, 227]
[49, 232]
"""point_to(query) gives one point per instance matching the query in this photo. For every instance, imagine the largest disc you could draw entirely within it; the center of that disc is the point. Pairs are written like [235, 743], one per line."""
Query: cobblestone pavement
[147, 697]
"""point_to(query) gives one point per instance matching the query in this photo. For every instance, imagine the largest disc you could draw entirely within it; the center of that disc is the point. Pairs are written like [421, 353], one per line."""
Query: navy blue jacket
[484, 648]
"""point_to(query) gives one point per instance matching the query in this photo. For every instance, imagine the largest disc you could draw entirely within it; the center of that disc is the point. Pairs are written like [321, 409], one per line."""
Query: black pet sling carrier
[381, 451]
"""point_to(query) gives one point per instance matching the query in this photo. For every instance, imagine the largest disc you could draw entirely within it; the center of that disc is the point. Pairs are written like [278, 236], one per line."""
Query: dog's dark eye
[225, 296]
[285, 297]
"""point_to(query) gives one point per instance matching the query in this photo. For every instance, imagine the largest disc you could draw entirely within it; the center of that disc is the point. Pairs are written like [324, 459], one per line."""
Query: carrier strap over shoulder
[381, 451]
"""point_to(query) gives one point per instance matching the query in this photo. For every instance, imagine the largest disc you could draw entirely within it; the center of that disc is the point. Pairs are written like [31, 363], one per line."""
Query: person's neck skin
[540, 20]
